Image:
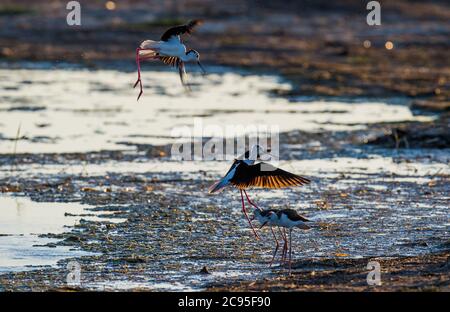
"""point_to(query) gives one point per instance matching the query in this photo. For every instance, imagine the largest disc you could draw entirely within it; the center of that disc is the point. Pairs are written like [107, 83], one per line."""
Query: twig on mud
[15, 147]
[397, 141]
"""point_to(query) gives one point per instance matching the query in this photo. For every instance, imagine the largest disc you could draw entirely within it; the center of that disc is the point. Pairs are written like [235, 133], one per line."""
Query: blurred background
[324, 47]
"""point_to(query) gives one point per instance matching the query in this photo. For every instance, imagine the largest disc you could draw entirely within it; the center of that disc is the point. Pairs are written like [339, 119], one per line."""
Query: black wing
[293, 215]
[183, 75]
[176, 62]
[180, 30]
[265, 175]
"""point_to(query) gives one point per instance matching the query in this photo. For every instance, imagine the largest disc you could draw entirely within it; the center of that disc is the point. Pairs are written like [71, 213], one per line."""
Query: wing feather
[169, 60]
[183, 75]
[179, 64]
[267, 176]
[180, 30]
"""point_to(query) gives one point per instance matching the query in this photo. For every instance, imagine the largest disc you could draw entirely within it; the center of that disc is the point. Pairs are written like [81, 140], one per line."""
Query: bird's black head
[256, 152]
[193, 55]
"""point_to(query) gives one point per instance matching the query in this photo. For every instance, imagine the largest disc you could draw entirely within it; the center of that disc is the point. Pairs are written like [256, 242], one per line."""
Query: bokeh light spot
[110, 5]
[389, 45]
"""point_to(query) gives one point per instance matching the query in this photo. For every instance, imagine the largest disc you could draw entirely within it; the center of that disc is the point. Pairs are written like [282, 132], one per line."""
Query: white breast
[288, 223]
[261, 219]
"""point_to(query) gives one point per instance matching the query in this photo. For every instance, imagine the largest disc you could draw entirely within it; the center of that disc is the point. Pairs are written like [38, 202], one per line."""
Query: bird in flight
[170, 50]
[245, 173]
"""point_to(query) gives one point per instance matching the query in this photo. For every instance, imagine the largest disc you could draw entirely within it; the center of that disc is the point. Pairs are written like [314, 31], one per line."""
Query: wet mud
[366, 202]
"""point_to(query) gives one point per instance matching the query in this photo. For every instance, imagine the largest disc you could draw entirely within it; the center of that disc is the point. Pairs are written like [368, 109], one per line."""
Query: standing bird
[263, 216]
[244, 173]
[170, 50]
[287, 219]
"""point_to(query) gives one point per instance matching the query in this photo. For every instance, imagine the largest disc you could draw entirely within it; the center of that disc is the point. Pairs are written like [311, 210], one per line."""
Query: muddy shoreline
[423, 273]
[169, 205]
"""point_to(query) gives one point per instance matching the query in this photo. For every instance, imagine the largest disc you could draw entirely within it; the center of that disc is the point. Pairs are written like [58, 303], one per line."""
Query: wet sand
[423, 273]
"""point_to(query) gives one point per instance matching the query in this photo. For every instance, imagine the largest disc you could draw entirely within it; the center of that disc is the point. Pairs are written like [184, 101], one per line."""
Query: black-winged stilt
[286, 219]
[263, 216]
[244, 173]
[170, 50]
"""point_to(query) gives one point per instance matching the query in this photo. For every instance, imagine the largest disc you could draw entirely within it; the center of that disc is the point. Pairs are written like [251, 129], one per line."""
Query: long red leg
[285, 257]
[290, 250]
[251, 202]
[287, 246]
[138, 63]
[245, 213]
[276, 246]
[283, 252]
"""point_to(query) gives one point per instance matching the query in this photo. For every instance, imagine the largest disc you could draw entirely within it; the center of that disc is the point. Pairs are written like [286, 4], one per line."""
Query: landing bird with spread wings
[245, 173]
[170, 50]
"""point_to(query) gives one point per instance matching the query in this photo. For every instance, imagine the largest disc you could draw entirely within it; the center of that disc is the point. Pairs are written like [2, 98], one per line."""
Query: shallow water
[23, 221]
[82, 110]
[364, 201]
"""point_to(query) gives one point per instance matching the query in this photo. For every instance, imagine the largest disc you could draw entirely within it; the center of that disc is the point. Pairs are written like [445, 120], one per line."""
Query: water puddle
[82, 110]
[23, 221]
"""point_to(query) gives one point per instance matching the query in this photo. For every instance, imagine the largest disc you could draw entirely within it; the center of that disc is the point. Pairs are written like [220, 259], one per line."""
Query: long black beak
[201, 67]
[263, 225]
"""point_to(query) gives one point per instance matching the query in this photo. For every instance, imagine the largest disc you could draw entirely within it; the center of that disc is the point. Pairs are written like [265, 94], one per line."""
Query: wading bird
[263, 216]
[244, 173]
[170, 50]
[286, 219]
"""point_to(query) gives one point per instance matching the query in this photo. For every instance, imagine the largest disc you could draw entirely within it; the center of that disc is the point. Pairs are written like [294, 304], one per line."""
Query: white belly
[288, 223]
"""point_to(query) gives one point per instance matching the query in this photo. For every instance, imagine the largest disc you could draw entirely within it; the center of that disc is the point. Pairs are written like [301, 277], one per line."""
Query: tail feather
[146, 55]
[149, 50]
[303, 226]
[149, 44]
[218, 186]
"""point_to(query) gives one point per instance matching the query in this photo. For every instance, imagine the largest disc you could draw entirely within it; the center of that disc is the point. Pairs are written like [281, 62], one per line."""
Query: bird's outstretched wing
[265, 175]
[179, 64]
[183, 75]
[222, 183]
[180, 30]
[169, 60]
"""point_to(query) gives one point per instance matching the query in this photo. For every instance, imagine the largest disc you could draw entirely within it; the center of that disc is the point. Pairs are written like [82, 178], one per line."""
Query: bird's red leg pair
[246, 215]
[276, 246]
[138, 63]
[251, 202]
[290, 250]
[284, 251]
